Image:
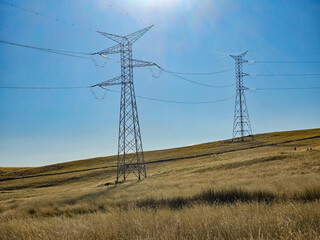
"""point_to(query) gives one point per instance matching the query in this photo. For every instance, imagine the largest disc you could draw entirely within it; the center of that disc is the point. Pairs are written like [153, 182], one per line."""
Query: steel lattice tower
[241, 122]
[130, 151]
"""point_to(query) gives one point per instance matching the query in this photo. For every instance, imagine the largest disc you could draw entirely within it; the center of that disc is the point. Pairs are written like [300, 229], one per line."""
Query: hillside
[276, 172]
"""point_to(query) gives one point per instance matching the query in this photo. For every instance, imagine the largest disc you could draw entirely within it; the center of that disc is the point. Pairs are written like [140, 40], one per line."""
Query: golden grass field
[268, 188]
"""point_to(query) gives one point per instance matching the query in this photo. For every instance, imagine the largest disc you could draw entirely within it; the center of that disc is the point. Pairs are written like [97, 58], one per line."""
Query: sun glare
[150, 4]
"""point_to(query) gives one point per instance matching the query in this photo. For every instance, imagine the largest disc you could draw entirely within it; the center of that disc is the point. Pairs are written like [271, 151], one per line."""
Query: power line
[286, 74]
[201, 73]
[43, 49]
[60, 52]
[28, 10]
[43, 88]
[201, 84]
[285, 61]
[302, 88]
[40, 14]
[173, 101]
[283, 50]
[100, 98]
[183, 102]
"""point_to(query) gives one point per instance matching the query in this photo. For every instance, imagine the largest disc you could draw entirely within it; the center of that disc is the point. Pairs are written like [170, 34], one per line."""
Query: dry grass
[236, 221]
[266, 189]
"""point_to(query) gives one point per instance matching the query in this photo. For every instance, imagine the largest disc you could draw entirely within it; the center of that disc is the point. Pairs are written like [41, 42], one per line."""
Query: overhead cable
[283, 50]
[100, 98]
[41, 14]
[286, 74]
[182, 102]
[298, 88]
[201, 84]
[173, 101]
[43, 88]
[201, 73]
[285, 61]
[43, 49]
[28, 10]
[60, 52]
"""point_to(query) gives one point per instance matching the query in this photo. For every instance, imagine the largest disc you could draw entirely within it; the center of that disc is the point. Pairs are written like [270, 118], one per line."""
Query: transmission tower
[130, 151]
[241, 122]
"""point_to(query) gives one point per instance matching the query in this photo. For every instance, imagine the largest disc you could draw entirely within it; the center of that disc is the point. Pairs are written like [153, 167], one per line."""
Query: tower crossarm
[111, 50]
[141, 63]
[130, 38]
[113, 37]
[133, 37]
[110, 82]
[240, 56]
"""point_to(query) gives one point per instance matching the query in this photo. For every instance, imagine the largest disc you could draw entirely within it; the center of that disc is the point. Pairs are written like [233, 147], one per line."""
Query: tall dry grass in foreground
[263, 189]
[237, 221]
[210, 214]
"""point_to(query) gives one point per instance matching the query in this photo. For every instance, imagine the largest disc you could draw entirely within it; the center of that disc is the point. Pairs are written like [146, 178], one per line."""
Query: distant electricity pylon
[241, 122]
[130, 151]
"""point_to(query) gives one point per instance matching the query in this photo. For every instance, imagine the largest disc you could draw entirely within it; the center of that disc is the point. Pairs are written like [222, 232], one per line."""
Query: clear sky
[40, 127]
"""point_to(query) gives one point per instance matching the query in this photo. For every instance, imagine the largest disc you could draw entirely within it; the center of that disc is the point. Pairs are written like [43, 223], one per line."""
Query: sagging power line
[285, 74]
[195, 82]
[200, 73]
[110, 90]
[285, 62]
[60, 52]
[40, 14]
[284, 88]
[43, 88]
[174, 101]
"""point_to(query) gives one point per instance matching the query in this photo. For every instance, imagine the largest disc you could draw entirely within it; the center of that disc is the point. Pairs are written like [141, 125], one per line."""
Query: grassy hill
[266, 188]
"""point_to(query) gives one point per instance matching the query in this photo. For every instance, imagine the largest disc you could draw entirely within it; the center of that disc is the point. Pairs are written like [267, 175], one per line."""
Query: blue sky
[40, 127]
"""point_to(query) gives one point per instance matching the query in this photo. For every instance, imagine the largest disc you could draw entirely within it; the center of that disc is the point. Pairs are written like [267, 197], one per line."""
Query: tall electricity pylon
[130, 151]
[241, 122]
